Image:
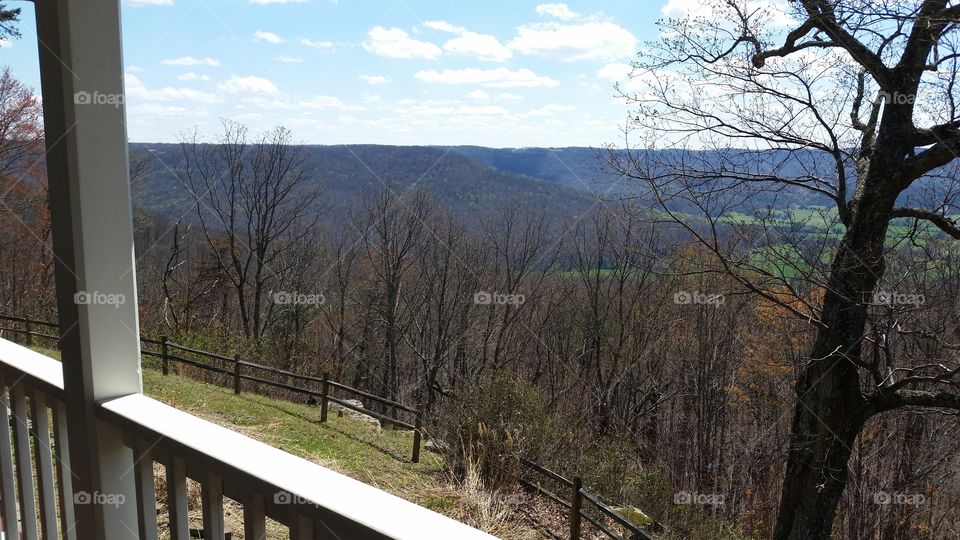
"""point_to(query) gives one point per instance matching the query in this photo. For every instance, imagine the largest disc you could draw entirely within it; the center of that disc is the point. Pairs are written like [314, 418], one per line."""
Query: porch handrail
[165, 350]
[308, 498]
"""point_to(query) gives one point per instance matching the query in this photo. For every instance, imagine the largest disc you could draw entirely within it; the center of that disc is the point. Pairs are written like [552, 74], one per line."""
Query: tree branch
[935, 134]
[823, 17]
[936, 156]
[944, 223]
[887, 401]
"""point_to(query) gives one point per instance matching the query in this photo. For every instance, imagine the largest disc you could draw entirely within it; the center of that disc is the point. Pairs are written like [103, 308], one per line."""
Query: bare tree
[396, 229]
[440, 298]
[853, 102]
[256, 202]
[522, 255]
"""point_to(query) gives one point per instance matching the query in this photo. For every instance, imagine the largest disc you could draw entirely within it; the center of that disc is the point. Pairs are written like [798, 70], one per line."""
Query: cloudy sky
[494, 73]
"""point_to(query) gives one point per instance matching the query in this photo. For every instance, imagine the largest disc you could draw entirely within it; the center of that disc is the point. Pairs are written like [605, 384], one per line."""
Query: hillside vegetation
[344, 444]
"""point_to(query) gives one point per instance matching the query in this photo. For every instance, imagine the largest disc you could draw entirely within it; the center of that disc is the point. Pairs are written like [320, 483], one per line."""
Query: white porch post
[84, 119]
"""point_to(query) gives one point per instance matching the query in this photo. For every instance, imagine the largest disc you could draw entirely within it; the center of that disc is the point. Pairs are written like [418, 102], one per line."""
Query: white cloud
[191, 61]
[482, 110]
[248, 85]
[491, 78]
[479, 95]
[560, 11]
[263, 2]
[685, 8]
[595, 40]
[374, 79]
[288, 59]
[396, 43]
[322, 102]
[269, 37]
[191, 76]
[444, 26]
[296, 103]
[776, 11]
[134, 69]
[550, 110]
[316, 43]
[445, 109]
[137, 91]
[148, 111]
[507, 96]
[148, 2]
[480, 46]
[5, 43]
[615, 72]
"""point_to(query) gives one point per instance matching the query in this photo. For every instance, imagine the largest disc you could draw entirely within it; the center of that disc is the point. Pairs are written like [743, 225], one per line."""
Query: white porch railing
[37, 500]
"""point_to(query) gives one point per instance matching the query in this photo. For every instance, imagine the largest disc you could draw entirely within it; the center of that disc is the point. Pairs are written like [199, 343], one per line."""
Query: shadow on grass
[392, 452]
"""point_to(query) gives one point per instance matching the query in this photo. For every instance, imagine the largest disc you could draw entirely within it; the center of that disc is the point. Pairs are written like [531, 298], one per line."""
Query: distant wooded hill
[465, 185]
[472, 180]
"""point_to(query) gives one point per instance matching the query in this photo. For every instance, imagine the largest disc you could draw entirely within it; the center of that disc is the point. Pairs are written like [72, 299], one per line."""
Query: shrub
[492, 424]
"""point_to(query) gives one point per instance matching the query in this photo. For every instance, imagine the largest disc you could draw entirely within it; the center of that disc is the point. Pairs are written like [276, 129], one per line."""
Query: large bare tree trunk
[831, 409]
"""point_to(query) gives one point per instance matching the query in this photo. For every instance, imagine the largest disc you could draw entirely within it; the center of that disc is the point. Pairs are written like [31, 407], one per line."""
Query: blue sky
[492, 73]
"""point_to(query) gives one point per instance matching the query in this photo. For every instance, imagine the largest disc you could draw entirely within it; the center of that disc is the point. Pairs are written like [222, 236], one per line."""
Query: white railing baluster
[146, 492]
[42, 457]
[7, 488]
[211, 489]
[179, 522]
[301, 527]
[68, 518]
[328, 504]
[25, 490]
[254, 519]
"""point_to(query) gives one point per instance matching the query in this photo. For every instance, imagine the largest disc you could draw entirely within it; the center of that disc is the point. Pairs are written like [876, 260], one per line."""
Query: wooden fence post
[236, 373]
[416, 438]
[324, 392]
[26, 325]
[576, 503]
[163, 355]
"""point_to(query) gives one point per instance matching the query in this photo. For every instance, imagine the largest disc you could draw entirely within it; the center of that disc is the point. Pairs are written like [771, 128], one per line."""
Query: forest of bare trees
[734, 370]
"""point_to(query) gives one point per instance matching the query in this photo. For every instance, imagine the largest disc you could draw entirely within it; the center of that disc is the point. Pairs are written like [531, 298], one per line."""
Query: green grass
[344, 444]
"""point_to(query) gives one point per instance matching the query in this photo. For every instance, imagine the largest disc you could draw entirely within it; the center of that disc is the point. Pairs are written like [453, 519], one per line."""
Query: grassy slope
[346, 445]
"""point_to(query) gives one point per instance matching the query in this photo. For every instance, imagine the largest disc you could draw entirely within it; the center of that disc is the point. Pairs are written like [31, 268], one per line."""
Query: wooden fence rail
[235, 366]
[574, 503]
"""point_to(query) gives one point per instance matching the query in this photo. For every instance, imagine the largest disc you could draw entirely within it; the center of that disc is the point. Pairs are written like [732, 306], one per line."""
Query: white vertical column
[81, 71]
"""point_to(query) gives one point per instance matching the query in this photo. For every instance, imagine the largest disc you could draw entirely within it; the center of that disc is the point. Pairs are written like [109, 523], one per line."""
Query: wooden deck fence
[241, 370]
[573, 500]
